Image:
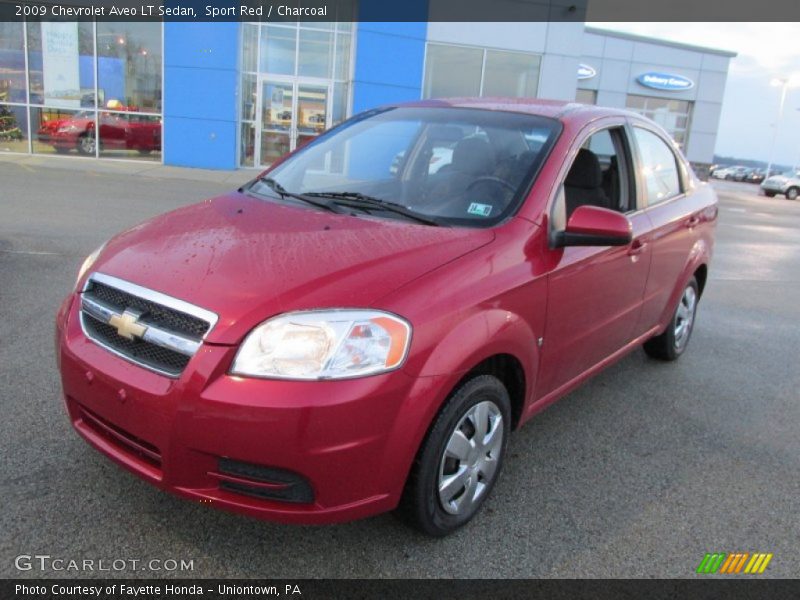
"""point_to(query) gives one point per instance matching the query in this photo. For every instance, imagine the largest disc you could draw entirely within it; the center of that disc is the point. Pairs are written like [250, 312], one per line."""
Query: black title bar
[419, 589]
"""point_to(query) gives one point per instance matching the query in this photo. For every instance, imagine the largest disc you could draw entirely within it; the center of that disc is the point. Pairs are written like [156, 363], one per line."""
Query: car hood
[248, 259]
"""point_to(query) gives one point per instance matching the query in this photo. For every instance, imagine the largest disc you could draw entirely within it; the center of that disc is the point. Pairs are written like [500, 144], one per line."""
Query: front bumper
[351, 441]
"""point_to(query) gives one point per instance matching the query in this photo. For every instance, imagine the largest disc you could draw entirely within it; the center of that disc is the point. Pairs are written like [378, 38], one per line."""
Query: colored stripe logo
[734, 563]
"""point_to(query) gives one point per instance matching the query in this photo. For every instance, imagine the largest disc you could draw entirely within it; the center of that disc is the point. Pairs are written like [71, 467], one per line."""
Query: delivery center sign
[61, 62]
[665, 82]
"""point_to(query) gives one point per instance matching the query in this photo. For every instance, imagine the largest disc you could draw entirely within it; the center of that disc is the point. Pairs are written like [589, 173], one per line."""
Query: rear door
[674, 213]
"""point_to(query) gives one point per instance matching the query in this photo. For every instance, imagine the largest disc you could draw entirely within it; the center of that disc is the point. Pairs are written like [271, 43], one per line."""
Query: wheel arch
[503, 345]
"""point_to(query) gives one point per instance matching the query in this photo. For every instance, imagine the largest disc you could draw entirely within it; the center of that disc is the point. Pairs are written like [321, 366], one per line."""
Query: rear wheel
[460, 459]
[672, 343]
[792, 193]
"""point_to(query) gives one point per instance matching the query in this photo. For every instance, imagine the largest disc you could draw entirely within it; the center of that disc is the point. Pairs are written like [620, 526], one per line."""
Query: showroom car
[118, 131]
[349, 334]
[786, 184]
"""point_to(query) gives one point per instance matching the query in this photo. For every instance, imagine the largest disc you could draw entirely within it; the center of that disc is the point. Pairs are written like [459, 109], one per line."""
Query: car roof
[554, 109]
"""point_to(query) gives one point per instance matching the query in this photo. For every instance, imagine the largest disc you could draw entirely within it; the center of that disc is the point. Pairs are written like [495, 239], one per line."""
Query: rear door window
[658, 167]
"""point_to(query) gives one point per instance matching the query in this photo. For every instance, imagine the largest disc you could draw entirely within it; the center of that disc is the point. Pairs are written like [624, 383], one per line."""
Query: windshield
[454, 166]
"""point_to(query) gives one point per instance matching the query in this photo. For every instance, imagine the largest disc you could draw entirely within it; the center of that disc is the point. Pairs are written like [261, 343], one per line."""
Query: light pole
[785, 83]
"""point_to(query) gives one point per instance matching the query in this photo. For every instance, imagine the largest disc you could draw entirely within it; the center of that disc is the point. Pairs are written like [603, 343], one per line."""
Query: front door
[291, 113]
[594, 293]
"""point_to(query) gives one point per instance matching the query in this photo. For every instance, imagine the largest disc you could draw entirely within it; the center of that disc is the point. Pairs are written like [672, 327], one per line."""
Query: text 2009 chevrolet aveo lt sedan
[361, 327]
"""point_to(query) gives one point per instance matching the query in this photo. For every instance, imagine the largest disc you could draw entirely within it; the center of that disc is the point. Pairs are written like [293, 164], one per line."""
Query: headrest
[473, 156]
[585, 171]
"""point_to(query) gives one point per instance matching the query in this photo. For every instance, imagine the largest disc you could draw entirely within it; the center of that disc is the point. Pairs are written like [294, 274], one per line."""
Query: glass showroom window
[62, 82]
[13, 89]
[295, 84]
[673, 115]
[468, 71]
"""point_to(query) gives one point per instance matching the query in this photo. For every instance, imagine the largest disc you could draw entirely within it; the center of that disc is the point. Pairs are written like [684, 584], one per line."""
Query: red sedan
[117, 132]
[350, 333]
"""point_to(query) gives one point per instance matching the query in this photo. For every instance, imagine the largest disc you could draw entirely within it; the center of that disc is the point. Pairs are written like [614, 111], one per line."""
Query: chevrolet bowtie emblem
[127, 325]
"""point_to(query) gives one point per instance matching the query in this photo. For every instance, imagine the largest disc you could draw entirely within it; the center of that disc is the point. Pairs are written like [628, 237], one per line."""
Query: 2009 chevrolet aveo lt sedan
[361, 327]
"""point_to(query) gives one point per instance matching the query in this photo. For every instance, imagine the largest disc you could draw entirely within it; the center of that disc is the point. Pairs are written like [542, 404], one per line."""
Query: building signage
[61, 64]
[665, 82]
[585, 71]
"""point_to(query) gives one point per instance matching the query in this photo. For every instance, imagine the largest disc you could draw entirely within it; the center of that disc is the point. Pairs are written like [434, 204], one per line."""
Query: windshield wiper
[284, 193]
[359, 200]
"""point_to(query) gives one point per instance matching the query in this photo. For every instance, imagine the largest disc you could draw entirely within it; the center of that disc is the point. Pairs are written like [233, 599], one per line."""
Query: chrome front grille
[153, 330]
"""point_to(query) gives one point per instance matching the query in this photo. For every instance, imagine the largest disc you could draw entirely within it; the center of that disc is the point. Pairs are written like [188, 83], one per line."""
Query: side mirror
[595, 226]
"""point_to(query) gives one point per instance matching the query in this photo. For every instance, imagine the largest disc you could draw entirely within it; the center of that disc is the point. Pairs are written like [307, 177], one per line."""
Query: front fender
[475, 339]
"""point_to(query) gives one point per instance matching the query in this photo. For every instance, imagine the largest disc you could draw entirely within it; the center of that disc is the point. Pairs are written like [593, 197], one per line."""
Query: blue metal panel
[389, 58]
[201, 94]
[200, 143]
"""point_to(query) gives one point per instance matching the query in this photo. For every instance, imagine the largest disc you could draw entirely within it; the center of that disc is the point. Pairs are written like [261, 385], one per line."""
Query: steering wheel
[492, 179]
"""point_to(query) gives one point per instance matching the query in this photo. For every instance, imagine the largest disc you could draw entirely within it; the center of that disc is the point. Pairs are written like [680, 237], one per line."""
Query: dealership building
[229, 95]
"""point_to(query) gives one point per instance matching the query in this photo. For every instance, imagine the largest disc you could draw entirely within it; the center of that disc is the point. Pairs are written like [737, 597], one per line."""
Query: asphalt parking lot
[637, 474]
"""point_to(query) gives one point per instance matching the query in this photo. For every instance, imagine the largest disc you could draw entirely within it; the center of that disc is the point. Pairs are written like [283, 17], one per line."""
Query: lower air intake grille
[267, 483]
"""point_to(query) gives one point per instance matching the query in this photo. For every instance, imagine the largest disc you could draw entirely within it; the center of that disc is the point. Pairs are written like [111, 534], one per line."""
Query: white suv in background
[787, 184]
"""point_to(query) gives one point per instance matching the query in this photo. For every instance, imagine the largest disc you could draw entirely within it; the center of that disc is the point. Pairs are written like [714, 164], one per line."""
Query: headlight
[329, 344]
[87, 264]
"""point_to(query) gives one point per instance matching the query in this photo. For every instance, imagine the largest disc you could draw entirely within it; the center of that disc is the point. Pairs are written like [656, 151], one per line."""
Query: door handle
[637, 247]
[693, 222]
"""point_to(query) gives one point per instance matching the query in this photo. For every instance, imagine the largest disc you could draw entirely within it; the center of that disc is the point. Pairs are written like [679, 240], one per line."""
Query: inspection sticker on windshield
[481, 210]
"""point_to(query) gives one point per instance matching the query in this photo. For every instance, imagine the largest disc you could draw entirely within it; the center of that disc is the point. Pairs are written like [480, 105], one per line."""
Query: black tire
[144, 151]
[420, 505]
[61, 149]
[792, 193]
[729, 177]
[769, 194]
[668, 346]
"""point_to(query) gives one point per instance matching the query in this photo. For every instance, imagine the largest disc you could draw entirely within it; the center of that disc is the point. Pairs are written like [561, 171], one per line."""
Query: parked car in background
[741, 173]
[721, 172]
[736, 173]
[118, 131]
[754, 176]
[787, 184]
[349, 333]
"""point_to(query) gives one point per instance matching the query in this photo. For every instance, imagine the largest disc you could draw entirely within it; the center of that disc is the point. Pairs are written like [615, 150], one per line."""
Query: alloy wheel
[87, 144]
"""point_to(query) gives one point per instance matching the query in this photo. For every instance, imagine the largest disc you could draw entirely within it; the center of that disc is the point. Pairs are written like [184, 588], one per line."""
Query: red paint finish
[560, 314]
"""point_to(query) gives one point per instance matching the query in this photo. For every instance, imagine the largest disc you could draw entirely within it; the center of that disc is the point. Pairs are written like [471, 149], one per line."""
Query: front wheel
[769, 194]
[672, 343]
[460, 459]
[86, 144]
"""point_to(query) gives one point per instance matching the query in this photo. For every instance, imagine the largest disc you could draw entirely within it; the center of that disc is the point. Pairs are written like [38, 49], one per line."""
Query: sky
[750, 105]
